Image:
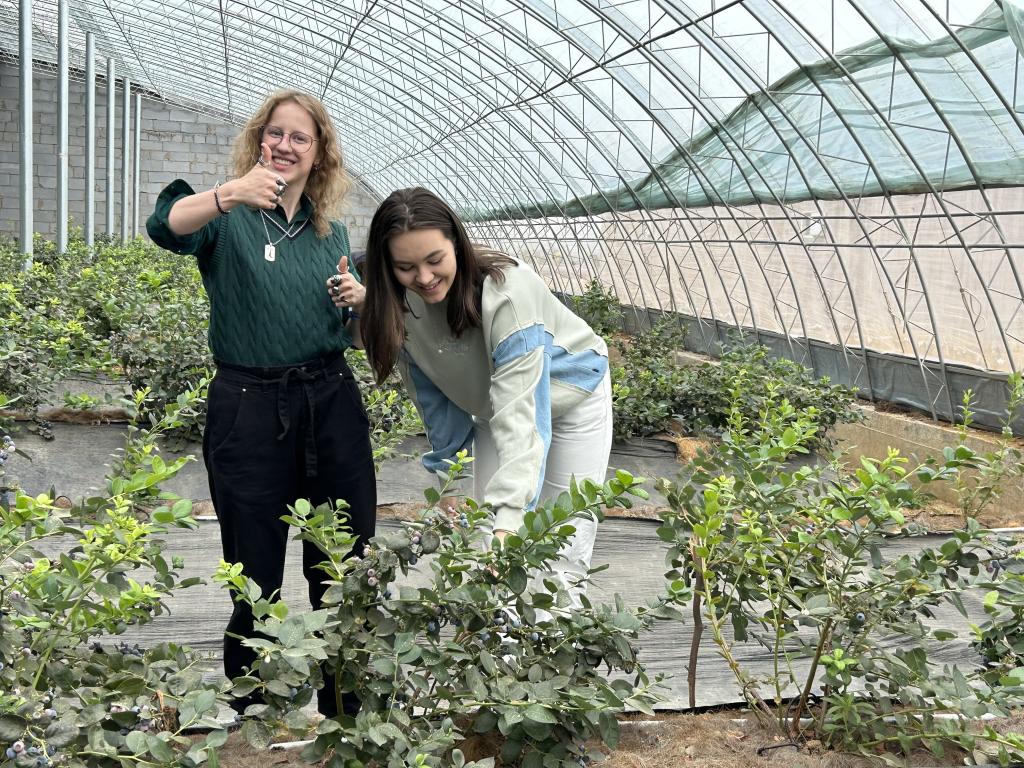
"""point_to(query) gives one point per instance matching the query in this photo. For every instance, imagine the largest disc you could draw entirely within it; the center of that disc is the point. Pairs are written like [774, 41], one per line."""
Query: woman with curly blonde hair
[285, 418]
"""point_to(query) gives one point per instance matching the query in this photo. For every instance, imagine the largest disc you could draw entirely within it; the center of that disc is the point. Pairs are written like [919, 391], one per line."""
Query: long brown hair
[328, 182]
[383, 316]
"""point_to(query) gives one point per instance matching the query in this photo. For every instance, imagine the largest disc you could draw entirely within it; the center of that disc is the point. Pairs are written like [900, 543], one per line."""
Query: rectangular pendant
[269, 252]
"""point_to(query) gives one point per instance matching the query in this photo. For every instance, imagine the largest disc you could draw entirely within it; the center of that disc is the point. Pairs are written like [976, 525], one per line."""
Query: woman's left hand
[345, 290]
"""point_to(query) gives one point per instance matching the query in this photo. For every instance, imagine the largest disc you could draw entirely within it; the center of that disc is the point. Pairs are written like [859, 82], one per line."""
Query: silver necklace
[270, 249]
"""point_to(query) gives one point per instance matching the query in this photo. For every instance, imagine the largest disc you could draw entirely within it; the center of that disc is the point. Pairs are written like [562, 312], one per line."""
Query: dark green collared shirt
[262, 313]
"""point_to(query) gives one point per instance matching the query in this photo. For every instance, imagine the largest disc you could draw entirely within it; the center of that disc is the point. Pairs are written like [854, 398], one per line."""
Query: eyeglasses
[301, 142]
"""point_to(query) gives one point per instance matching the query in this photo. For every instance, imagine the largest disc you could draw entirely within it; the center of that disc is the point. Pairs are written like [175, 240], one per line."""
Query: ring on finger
[335, 290]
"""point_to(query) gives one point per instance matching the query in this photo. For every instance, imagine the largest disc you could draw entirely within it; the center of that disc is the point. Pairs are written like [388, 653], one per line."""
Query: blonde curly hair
[328, 182]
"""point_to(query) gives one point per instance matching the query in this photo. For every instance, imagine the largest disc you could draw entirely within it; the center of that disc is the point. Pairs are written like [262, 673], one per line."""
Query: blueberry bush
[71, 582]
[793, 561]
[485, 642]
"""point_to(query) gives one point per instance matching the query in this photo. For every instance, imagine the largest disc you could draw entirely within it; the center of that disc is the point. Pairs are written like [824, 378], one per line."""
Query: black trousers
[274, 435]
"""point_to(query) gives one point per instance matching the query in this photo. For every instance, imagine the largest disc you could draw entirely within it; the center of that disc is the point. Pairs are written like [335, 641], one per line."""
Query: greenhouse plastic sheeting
[841, 174]
[891, 116]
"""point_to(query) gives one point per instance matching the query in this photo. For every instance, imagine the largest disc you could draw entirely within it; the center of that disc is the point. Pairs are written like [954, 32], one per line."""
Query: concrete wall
[175, 142]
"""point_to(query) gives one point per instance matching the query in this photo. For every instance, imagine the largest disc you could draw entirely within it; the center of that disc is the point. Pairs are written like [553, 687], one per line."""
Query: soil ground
[727, 738]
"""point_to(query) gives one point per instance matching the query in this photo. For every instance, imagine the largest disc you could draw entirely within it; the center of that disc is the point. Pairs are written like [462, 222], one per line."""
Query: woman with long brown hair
[492, 360]
[285, 418]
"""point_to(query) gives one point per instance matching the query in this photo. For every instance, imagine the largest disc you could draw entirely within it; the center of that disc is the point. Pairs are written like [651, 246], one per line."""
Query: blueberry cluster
[44, 758]
[7, 447]
[130, 650]
[143, 721]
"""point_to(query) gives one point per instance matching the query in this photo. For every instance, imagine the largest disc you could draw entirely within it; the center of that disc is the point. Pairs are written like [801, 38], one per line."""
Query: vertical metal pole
[111, 104]
[62, 126]
[25, 109]
[90, 141]
[126, 148]
[137, 164]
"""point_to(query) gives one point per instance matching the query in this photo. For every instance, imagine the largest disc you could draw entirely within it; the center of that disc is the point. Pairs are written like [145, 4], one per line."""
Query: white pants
[581, 442]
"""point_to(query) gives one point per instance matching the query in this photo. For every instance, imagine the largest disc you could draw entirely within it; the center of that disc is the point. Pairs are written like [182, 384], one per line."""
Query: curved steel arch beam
[825, 168]
[1013, 115]
[880, 115]
[587, 94]
[633, 88]
[954, 134]
[454, 160]
[573, 120]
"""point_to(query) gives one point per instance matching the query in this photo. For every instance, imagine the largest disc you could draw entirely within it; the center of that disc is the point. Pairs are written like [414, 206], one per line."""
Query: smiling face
[423, 261]
[293, 165]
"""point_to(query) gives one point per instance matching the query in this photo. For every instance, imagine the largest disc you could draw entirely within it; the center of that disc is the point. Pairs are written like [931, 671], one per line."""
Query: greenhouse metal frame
[839, 180]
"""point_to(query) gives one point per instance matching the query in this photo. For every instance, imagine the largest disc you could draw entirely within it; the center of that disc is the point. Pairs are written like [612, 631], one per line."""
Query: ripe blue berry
[859, 617]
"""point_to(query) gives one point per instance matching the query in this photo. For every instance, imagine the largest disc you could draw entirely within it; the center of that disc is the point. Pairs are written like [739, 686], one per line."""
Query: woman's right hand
[259, 188]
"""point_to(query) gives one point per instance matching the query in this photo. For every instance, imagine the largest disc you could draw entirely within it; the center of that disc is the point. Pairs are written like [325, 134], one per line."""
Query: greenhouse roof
[842, 172]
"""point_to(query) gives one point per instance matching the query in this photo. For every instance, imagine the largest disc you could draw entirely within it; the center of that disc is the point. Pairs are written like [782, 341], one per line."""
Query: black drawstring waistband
[280, 378]
[304, 378]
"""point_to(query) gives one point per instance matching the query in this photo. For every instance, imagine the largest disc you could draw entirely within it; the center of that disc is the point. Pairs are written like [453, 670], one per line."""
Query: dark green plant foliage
[647, 381]
[487, 645]
[70, 581]
[133, 311]
[793, 561]
[653, 392]
[136, 313]
[600, 307]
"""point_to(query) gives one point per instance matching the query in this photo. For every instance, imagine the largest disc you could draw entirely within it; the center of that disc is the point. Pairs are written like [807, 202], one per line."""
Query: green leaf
[510, 752]
[256, 734]
[217, 739]
[205, 700]
[159, 748]
[539, 714]
[517, 579]
[429, 542]
[12, 727]
[487, 662]
[136, 742]
[485, 722]
[60, 733]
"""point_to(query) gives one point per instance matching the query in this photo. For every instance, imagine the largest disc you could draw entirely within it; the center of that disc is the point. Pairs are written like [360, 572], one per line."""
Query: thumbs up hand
[344, 289]
[261, 187]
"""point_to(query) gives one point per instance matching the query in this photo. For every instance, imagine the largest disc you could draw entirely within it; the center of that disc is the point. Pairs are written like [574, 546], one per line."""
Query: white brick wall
[175, 142]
